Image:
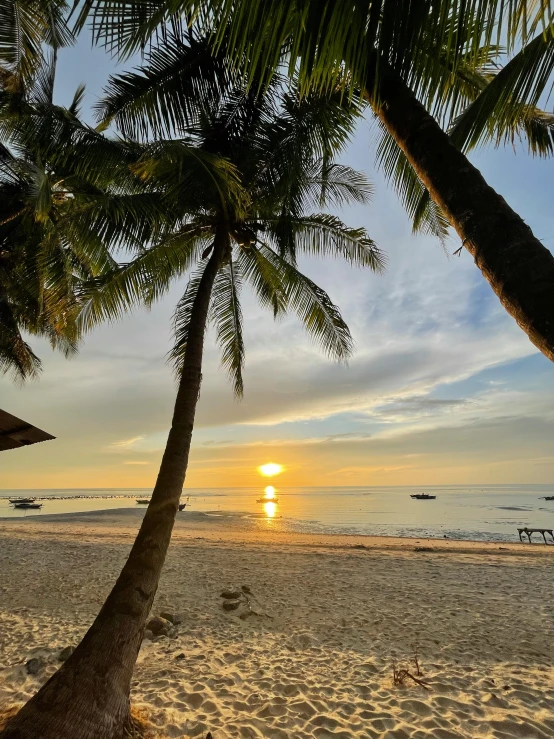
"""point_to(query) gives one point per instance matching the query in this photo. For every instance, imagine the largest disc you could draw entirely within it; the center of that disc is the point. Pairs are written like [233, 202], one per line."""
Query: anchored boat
[423, 496]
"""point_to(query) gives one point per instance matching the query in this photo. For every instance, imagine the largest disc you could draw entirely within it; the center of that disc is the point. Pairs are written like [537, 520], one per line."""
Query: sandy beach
[312, 657]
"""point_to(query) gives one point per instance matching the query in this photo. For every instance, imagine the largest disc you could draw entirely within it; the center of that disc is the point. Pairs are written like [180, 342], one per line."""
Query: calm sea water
[491, 512]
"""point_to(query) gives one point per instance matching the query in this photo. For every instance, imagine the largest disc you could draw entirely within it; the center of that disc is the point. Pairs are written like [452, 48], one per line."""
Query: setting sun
[270, 469]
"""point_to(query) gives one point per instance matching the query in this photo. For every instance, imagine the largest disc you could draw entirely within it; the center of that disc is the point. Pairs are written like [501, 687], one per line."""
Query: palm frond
[189, 174]
[16, 356]
[181, 319]
[25, 26]
[322, 39]
[319, 316]
[226, 315]
[425, 214]
[325, 235]
[166, 95]
[264, 278]
[340, 185]
[508, 101]
[139, 282]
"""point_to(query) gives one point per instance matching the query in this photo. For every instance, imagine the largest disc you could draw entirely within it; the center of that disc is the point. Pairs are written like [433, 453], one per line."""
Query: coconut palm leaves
[491, 104]
[25, 27]
[447, 53]
[41, 261]
[279, 147]
[320, 35]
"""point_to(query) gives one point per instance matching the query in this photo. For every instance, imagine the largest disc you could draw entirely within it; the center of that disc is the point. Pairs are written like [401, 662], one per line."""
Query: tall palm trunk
[88, 698]
[517, 266]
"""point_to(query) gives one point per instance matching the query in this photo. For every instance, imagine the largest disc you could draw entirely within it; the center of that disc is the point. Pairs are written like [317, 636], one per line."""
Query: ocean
[480, 513]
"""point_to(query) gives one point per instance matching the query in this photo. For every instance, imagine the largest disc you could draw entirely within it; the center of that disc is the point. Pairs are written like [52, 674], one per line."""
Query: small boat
[423, 496]
[267, 500]
[15, 501]
[143, 501]
[28, 505]
[549, 497]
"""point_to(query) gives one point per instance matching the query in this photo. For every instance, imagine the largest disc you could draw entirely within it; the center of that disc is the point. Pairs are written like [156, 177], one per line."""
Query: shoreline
[460, 515]
[121, 524]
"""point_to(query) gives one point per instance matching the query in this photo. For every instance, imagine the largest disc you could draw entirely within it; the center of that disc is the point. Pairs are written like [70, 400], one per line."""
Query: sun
[270, 469]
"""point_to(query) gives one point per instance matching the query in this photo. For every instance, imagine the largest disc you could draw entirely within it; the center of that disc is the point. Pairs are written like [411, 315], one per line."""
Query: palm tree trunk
[88, 698]
[517, 266]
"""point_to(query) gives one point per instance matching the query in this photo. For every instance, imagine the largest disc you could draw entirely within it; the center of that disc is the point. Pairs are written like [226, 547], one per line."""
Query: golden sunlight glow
[269, 492]
[270, 508]
[270, 469]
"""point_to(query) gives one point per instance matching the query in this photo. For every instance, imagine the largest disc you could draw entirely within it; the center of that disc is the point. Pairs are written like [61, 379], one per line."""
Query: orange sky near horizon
[314, 464]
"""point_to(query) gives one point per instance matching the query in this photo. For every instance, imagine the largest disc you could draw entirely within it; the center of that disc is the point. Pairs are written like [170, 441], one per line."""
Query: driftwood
[399, 676]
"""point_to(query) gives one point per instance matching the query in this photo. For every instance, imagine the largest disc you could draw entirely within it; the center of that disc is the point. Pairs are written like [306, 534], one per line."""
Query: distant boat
[15, 501]
[28, 505]
[423, 496]
[549, 497]
[267, 500]
[143, 501]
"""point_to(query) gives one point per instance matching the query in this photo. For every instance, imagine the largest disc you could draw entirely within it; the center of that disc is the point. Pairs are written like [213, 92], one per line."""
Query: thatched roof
[15, 433]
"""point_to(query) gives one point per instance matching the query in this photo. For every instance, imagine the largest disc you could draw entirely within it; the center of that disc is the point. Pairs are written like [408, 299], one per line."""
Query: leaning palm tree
[281, 149]
[404, 57]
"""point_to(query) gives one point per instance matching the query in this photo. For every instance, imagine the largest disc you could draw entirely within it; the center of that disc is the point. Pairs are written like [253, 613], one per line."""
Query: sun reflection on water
[270, 509]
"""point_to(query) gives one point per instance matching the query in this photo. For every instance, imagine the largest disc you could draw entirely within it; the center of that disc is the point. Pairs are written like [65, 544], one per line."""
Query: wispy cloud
[130, 461]
[125, 444]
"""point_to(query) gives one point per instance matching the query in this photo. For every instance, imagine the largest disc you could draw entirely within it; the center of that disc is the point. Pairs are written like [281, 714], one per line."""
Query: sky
[442, 388]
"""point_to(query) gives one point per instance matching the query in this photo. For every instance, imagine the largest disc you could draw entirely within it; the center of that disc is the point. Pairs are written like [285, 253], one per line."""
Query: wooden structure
[528, 533]
[15, 433]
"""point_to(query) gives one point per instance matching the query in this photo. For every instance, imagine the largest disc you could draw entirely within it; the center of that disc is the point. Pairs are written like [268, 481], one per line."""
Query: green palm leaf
[165, 96]
[508, 104]
[181, 319]
[141, 281]
[226, 315]
[320, 317]
[325, 235]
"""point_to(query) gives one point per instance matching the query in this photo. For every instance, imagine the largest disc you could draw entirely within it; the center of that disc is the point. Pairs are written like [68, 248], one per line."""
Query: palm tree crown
[280, 147]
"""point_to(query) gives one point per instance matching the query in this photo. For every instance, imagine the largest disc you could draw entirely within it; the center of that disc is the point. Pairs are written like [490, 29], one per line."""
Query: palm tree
[58, 221]
[42, 257]
[404, 57]
[280, 148]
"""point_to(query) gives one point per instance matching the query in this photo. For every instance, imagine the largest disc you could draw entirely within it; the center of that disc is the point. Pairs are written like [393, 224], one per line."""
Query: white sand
[321, 666]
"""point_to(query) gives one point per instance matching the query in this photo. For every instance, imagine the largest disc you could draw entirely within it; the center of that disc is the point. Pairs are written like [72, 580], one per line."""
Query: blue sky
[443, 386]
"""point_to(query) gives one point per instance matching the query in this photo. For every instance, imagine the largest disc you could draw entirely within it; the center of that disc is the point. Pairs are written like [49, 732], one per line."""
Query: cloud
[441, 377]
[126, 444]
